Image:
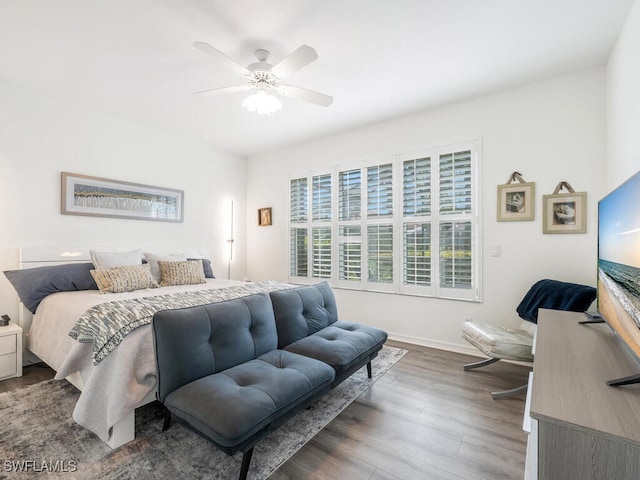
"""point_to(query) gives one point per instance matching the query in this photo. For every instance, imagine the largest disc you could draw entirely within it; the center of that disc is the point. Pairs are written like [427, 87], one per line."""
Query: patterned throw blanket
[105, 325]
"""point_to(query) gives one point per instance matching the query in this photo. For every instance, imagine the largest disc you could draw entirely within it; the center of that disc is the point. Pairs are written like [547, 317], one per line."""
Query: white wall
[623, 103]
[40, 137]
[549, 131]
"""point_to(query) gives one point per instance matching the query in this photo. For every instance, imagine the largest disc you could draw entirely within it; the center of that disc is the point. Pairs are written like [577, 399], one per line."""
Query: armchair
[501, 343]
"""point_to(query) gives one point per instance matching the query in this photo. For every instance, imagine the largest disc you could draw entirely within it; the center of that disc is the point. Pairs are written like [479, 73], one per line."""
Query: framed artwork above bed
[103, 197]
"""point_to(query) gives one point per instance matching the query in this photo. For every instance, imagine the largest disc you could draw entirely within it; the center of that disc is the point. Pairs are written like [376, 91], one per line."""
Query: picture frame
[516, 202]
[564, 213]
[265, 217]
[103, 197]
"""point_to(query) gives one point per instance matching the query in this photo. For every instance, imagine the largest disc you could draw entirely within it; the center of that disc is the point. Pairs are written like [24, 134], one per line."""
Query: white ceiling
[379, 59]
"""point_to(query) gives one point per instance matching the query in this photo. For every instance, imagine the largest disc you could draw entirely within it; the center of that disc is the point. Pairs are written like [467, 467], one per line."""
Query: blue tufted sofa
[236, 370]
[307, 322]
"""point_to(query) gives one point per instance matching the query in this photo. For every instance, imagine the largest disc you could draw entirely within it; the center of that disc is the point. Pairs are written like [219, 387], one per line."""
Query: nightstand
[10, 351]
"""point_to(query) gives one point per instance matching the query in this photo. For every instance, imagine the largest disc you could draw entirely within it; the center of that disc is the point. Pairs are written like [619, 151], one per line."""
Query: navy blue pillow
[33, 284]
[206, 266]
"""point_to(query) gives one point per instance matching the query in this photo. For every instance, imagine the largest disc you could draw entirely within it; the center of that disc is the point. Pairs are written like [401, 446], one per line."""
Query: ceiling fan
[267, 78]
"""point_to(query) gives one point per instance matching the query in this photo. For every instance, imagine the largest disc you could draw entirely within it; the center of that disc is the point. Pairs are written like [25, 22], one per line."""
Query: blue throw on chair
[555, 295]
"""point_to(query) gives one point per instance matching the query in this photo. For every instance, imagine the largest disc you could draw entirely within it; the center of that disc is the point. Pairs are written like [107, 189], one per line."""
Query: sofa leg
[369, 369]
[167, 421]
[246, 460]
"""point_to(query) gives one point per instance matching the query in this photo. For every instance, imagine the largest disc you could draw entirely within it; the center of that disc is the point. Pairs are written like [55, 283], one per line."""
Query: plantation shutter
[299, 252]
[416, 187]
[298, 246]
[350, 194]
[350, 247]
[299, 200]
[380, 191]
[321, 193]
[417, 254]
[321, 252]
[416, 234]
[380, 253]
[411, 225]
[455, 255]
[455, 183]
[455, 236]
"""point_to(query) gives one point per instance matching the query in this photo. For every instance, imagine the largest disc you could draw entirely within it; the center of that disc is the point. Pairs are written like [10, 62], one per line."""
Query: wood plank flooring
[425, 419]
[31, 374]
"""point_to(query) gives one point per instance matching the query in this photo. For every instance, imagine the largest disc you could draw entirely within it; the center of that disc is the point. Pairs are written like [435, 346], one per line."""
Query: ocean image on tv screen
[619, 251]
[622, 281]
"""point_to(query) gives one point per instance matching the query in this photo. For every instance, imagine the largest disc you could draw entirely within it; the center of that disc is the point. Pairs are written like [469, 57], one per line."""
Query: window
[416, 187]
[321, 252]
[298, 234]
[299, 253]
[416, 235]
[416, 254]
[380, 191]
[407, 225]
[349, 226]
[350, 259]
[350, 194]
[321, 197]
[380, 249]
[299, 200]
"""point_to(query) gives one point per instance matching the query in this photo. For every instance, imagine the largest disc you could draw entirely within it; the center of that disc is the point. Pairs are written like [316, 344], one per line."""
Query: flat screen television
[619, 266]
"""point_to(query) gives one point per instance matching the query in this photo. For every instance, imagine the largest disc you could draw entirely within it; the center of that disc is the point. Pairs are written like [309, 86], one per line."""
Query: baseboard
[449, 347]
[427, 342]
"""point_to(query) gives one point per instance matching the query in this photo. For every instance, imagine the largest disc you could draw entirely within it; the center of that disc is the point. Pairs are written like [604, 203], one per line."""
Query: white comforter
[124, 380]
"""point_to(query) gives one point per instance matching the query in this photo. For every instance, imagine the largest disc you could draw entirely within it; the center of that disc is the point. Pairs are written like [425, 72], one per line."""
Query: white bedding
[119, 383]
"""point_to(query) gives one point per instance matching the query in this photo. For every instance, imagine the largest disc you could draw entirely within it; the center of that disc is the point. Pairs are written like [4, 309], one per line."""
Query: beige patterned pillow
[124, 279]
[181, 273]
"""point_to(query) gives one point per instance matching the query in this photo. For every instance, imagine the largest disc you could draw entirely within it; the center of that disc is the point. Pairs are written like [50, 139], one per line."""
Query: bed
[112, 385]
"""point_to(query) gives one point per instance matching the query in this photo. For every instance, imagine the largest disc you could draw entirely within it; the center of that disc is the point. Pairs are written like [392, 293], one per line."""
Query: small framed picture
[264, 216]
[516, 202]
[565, 213]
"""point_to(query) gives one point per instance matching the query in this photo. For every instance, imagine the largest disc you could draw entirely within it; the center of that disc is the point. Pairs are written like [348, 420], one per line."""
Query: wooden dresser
[585, 428]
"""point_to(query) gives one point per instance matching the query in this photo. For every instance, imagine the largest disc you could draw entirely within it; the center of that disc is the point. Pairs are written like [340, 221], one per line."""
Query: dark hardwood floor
[425, 419]
[31, 374]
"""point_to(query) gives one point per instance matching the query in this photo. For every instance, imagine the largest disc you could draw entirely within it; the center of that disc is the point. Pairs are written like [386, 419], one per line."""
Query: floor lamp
[230, 242]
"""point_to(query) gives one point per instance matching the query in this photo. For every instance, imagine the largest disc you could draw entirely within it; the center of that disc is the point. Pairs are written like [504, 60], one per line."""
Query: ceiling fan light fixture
[265, 77]
[262, 103]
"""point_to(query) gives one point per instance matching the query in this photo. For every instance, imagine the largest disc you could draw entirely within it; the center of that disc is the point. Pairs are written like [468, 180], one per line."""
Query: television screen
[619, 261]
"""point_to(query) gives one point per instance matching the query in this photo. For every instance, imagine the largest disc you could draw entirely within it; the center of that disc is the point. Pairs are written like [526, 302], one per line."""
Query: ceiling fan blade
[295, 61]
[223, 90]
[306, 95]
[219, 56]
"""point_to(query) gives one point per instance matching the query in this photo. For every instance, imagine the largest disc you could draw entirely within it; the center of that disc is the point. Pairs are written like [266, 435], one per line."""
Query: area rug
[38, 436]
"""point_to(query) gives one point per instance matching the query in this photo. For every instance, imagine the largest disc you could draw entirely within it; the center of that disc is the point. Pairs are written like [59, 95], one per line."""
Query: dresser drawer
[8, 365]
[7, 344]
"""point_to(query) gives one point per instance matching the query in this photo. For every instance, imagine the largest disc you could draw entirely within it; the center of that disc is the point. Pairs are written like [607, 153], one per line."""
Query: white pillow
[152, 260]
[105, 260]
